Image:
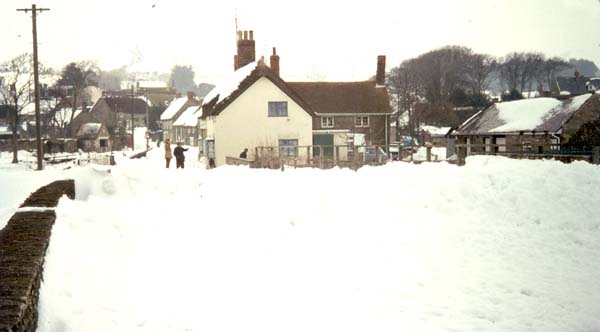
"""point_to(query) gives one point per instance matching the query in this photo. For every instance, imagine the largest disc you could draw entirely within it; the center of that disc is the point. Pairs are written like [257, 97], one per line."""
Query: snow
[524, 114]
[64, 115]
[491, 246]
[189, 117]
[29, 109]
[152, 84]
[89, 129]
[173, 108]
[229, 84]
[438, 131]
[421, 154]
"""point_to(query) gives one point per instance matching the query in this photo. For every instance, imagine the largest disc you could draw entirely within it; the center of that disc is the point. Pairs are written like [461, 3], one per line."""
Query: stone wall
[57, 145]
[23, 244]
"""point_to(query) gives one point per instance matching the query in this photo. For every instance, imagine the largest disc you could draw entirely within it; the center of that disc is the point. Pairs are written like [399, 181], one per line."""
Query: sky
[316, 40]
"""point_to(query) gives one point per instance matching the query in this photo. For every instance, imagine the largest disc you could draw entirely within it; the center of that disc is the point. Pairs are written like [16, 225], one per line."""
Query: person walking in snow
[168, 154]
[179, 156]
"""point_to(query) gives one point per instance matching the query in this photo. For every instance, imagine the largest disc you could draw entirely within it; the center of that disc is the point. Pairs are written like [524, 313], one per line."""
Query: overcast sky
[317, 40]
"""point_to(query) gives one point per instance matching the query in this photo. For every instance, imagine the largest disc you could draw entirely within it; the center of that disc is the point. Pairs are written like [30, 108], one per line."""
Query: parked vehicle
[409, 144]
[372, 156]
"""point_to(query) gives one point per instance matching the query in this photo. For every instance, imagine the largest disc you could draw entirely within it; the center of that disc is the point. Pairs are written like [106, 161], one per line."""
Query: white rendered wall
[245, 123]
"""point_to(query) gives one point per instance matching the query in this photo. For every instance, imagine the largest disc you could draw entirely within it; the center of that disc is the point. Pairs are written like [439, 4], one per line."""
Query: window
[362, 121]
[103, 143]
[501, 142]
[527, 146]
[487, 141]
[327, 122]
[278, 109]
[288, 148]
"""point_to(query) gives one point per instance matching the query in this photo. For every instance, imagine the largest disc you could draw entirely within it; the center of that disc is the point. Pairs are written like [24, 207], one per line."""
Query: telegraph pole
[132, 121]
[36, 80]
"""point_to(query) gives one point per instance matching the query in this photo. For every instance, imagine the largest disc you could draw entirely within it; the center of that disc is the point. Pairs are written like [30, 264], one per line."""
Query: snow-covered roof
[89, 130]
[63, 115]
[540, 114]
[152, 84]
[433, 130]
[189, 117]
[29, 109]
[173, 108]
[229, 84]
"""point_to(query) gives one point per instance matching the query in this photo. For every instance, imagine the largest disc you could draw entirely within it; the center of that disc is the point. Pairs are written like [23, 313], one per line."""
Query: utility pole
[132, 119]
[36, 80]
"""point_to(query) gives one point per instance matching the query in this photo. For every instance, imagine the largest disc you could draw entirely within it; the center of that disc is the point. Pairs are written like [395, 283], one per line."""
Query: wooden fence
[552, 151]
[321, 156]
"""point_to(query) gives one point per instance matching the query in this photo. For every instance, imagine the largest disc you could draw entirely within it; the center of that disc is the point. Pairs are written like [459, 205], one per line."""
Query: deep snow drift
[496, 245]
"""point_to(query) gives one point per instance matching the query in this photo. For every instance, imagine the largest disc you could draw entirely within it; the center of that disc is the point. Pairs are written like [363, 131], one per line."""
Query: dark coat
[178, 152]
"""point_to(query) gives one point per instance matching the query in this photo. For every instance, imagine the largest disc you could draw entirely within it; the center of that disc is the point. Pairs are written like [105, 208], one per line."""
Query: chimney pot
[245, 35]
[190, 95]
[239, 35]
[274, 51]
[251, 35]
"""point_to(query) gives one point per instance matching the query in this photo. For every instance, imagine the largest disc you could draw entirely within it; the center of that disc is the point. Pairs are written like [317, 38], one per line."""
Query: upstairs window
[278, 109]
[361, 121]
[327, 122]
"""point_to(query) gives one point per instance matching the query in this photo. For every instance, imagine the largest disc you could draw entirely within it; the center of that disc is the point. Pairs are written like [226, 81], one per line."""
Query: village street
[489, 246]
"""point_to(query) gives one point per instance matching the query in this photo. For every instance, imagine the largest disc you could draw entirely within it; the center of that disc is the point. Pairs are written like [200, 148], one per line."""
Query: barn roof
[538, 114]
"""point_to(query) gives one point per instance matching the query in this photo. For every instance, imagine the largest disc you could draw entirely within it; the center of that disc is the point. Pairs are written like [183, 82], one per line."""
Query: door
[323, 139]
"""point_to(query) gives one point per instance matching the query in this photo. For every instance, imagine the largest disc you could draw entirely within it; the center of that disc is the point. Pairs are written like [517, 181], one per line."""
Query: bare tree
[17, 82]
[519, 71]
[404, 86]
[78, 76]
[479, 68]
[551, 69]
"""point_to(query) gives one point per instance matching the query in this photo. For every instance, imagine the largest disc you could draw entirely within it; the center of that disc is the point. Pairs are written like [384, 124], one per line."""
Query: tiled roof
[123, 105]
[343, 97]
[572, 84]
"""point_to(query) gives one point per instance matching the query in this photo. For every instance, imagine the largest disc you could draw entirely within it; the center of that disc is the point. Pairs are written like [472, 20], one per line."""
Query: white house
[172, 113]
[254, 107]
[186, 126]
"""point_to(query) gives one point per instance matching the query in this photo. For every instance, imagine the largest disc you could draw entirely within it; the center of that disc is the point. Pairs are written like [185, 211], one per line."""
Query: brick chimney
[246, 52]
[275, 62]
[380, 77]
[190, 95]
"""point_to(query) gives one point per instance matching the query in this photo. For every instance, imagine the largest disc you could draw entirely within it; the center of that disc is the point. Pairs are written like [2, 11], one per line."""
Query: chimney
[245, 49]
[380, 77]
[275, 62]
[190, 95]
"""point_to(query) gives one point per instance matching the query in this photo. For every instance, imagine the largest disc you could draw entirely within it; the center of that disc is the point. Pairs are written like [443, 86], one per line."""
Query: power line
[36, 80]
